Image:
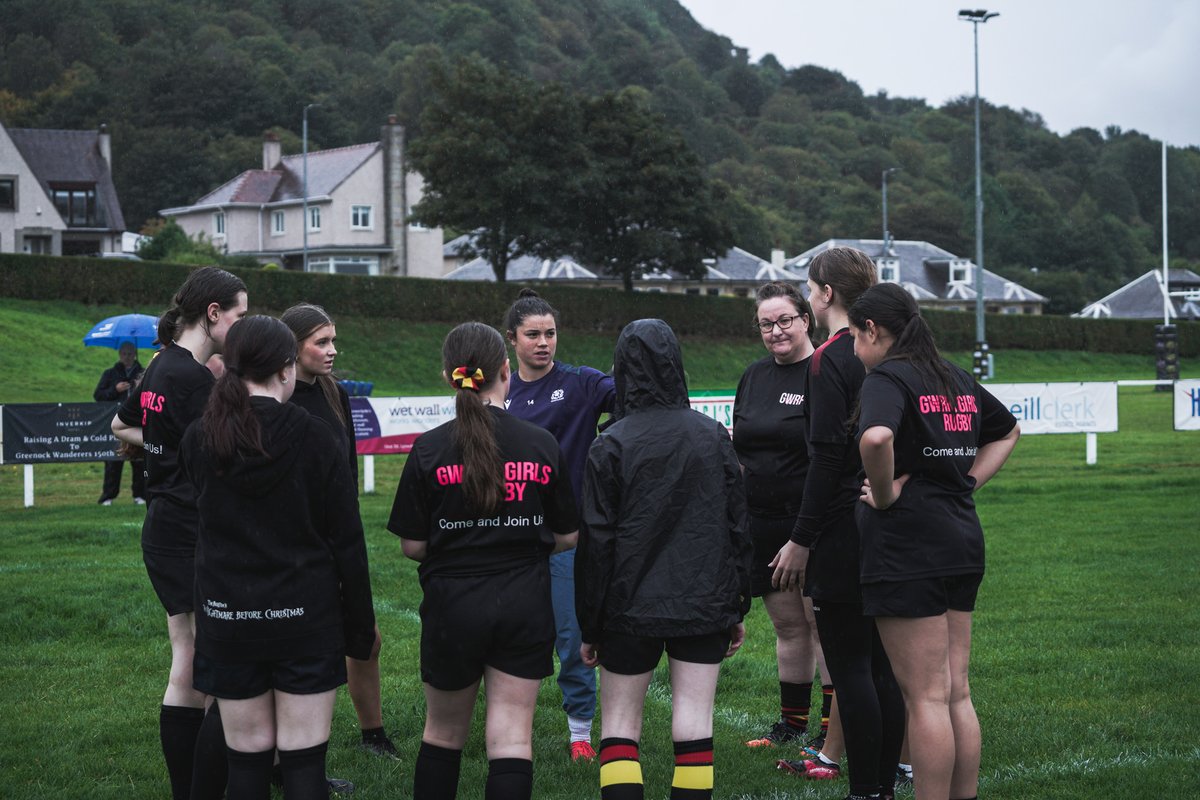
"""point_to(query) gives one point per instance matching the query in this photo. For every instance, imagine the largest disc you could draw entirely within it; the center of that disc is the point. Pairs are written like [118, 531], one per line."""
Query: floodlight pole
[304, 222]
[886, 234]
[975, 17]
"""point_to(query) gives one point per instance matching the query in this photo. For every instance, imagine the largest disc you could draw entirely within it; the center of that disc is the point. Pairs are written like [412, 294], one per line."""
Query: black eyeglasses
[783, 322]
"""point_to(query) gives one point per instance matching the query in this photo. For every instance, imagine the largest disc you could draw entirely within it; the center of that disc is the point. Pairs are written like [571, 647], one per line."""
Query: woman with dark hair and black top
[281, 566]
[664, 563]
[929, 436]
[869, 701]
[768, 434]
[173, 392]
[568, 401]
[482, 503]
[320, 395]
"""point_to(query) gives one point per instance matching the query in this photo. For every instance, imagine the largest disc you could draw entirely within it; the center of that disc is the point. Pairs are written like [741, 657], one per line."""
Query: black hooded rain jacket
[664, 547]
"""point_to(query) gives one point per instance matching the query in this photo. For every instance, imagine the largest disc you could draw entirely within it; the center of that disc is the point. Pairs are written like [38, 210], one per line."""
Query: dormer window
[889, 270]
[76, 205]
[960, 271]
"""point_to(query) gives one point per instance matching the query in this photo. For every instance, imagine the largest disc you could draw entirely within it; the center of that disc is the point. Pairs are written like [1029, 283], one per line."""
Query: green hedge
[148, 286]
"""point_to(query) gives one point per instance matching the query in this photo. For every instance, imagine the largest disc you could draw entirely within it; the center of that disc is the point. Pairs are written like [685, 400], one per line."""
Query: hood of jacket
[648, 368]
[283, 438]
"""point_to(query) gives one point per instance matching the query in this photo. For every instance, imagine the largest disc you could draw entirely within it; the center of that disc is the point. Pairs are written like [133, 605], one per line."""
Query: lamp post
[304, 221]
[975, 18]
[887, 236]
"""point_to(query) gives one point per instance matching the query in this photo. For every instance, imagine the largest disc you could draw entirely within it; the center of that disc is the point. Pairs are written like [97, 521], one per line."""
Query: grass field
[1086, 667]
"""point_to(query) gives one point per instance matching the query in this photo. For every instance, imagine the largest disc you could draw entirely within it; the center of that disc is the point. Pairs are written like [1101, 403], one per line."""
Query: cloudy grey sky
[1094, 64]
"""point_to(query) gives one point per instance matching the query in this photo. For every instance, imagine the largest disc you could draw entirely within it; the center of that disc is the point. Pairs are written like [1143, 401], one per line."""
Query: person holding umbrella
[116, 383]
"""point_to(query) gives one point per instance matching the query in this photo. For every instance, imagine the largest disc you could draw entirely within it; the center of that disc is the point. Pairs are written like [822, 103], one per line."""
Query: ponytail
[472, 357]
[255, 349]
[892, 308]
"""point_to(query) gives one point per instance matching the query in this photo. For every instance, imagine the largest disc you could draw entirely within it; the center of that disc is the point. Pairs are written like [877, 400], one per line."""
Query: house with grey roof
[736, 273]
[56, 192]
[936, 278]
[358, 198]
[1142, 298]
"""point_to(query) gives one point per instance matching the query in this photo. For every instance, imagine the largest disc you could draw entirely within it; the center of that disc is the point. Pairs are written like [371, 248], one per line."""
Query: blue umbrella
[141, 329]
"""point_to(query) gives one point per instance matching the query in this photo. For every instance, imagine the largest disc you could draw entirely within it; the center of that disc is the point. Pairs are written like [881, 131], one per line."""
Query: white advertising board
[1187, 405]
[1060, 407]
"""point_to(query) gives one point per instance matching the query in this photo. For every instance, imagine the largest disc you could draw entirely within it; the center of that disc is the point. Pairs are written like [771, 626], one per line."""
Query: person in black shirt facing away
[482, 503]
[117, 383]
[323, 397]
[929, 436]
[282, 584]
[768, 434]
[663, 564]
[823, 554]
[172, 394]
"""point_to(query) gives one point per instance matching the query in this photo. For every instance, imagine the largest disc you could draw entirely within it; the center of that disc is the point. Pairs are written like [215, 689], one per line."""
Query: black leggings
[868, 697]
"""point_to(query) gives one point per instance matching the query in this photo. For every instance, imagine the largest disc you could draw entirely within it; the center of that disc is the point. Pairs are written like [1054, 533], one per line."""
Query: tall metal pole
[981, 349]
[304, 222]
[887, 236]
[1166, 258]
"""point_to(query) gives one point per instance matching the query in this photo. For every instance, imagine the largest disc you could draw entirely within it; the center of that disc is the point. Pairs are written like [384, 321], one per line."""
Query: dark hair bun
[527, 292]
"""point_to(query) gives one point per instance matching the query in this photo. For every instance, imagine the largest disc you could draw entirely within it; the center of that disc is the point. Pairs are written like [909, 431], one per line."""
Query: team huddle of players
[844, 499]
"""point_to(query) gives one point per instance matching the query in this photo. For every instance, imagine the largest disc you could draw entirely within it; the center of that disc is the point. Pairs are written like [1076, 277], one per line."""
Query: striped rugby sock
[693, 778]
[620, 770]
[794, 700]
[826, 704]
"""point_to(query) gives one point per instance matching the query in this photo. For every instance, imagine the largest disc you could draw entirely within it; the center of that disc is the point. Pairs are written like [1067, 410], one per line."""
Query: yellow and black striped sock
[794, 702]
[693, 778]
[620, 770]
[826, 704]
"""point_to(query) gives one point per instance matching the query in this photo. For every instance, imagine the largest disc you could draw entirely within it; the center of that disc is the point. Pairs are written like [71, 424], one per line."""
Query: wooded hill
[188, 87]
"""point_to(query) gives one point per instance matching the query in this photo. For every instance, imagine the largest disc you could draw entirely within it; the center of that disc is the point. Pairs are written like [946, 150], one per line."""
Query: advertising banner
[1060, 407]
[1187, 405]
[718, 405]
[46, 433]
[389, 425]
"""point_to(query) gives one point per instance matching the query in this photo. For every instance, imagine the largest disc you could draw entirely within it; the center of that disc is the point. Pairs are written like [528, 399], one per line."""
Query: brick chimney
[391, 136]
[272, 150]
[104, 141]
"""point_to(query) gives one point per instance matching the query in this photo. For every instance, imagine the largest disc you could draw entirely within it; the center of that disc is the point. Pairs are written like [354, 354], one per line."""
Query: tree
[497, 152]
[645, 202]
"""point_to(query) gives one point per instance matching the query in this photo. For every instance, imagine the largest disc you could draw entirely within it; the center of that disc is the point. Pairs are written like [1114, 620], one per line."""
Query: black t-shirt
[768, 434]
[430, 505]
[172, 394]
[835, 377]
[311, 397]
[932, 529]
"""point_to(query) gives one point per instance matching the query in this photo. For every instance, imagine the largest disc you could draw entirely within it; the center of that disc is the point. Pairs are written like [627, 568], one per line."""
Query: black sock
[435, 776]
[250, 774]
[177, 729]
[211, 770]
[693, 779]
[826, 706]
[509, 779]
[975, 797]
[620, 770]
[304, 773]
[370, 735]
[794, 702]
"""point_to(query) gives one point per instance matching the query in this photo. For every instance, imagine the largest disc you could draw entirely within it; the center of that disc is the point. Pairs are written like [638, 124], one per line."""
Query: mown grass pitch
[1086, 661]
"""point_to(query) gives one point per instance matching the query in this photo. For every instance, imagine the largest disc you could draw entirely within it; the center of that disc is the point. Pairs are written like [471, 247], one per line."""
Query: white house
[359, 199]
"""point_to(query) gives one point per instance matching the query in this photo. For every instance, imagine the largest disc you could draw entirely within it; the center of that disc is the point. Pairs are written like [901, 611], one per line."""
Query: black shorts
[173, 578]
[768, 534]
[626, 654]
[169, 553]
[504, 621]
[231, 680]
[927, 597]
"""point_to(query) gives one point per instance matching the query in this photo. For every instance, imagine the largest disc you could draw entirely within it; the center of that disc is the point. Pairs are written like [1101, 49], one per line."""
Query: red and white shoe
[582, 751]
[812, 769]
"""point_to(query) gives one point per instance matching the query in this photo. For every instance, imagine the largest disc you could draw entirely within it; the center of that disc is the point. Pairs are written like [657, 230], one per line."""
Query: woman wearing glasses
[768, 434]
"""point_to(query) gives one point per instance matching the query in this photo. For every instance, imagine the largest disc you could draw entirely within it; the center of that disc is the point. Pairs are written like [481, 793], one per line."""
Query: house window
[8, 194]
[960, 271]
[314, 218]
[692, 290]
[889, 270]
[361, 218]
[345, 265]
[219, 224]
[742, 292]
[77, 206]
[277, 223]
[712, 292]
